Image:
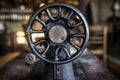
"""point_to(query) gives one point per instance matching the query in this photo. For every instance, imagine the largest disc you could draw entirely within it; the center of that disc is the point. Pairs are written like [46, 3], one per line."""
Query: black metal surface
[58, 20]
[85, 67]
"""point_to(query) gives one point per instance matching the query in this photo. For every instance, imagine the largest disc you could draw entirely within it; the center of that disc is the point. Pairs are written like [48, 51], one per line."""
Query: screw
[30, 58]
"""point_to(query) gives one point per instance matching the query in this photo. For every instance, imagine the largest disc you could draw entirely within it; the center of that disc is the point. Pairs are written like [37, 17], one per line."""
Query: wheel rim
[68, 26]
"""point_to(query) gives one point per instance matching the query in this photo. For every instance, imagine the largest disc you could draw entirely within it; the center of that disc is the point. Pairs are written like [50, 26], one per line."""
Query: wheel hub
[57, 34]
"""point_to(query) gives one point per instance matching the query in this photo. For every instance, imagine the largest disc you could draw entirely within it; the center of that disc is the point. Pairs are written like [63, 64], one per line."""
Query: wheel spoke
[41, 21]
[76, 25]
[70, 15]
[37, 31]
[48, 46]
[78, 35]
[66, 51]
[73, 44]
[49, 14]
[56, 54]
[40, 41]
[60, 12]
[43, 41]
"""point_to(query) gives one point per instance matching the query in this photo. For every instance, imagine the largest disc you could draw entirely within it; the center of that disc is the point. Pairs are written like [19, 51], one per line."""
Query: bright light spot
[21, 40]
[42, 4]
[20, 33]
[27, 17]
[21, 37]
[77, 17]
[14, 16]
[22, 7]
[2, 27]
[116, 6]
[37, 35]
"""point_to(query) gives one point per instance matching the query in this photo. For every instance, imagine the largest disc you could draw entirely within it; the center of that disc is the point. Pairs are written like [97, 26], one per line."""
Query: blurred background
[103, 17]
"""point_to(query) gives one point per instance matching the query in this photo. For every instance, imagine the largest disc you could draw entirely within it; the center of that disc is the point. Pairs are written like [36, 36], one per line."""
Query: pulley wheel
[53, 28]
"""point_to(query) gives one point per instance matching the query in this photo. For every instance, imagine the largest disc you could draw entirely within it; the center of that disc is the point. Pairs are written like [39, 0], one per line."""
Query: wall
[101, 10]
